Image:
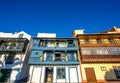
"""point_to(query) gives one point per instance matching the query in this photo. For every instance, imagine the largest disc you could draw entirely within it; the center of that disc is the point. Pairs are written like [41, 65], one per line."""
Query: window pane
[117, 71]
[61, 73]
[49, 56]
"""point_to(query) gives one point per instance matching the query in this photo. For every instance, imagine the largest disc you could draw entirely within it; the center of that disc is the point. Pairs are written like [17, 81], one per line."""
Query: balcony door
[57, 56]
[90, 75]
[48, 74]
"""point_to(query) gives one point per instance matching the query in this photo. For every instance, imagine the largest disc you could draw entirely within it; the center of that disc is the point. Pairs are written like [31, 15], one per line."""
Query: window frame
[49, 56]
[72, 56]
[117, 70]
[58, 73]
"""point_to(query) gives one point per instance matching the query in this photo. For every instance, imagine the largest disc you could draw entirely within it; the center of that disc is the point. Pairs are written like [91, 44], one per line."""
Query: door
[57, 57]
[49, 74]
[36, 75]
[73, 75]
[90, 75]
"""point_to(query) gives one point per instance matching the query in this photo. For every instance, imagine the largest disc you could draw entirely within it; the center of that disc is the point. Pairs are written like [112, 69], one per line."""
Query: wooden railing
[100, 58]
[99, 44]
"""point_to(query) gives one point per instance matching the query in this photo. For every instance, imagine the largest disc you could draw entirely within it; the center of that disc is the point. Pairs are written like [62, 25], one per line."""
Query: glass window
[49, 44]
[101, 50]
[10, 59]
[49, 56]
[71, 56]
[117, 71]
[113, 50]
[61, 73]
[84, 51]
[63, 56]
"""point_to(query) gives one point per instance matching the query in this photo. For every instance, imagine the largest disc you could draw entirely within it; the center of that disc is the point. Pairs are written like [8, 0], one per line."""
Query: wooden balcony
[99, 44]
[100, 58]
[16, 45]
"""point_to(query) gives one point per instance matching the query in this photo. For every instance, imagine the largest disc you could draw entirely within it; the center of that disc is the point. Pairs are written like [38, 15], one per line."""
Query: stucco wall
[101, 75]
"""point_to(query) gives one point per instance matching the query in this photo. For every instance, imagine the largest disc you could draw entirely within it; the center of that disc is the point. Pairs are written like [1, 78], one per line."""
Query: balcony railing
[53, 60]
[93, 43]
[59, 45]
[9, 47]
[100, 58]
[36, 60]
[54, 48]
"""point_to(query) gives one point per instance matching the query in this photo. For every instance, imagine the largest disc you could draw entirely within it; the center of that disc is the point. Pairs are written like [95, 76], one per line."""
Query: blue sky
[58, 16]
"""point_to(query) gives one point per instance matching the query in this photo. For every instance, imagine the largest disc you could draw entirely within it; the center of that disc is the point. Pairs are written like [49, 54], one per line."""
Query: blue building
[54, 60]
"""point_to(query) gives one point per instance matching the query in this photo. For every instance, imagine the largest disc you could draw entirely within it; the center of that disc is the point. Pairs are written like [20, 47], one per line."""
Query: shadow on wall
[18, 80]
[1, 64]
[24, 80]
[17, 63]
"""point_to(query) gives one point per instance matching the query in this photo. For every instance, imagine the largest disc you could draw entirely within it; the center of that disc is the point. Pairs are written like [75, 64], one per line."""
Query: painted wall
[101, 75]
[46, 35]
[37, 74]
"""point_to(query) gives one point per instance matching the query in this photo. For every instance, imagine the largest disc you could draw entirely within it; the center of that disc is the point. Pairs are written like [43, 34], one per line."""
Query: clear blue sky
[58, 16]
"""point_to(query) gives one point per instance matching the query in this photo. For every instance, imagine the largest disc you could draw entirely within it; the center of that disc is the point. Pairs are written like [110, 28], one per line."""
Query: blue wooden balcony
[54, 48]
[36, 61]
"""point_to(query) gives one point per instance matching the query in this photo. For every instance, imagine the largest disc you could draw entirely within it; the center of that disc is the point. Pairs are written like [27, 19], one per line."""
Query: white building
[13, 55]
[21, 34]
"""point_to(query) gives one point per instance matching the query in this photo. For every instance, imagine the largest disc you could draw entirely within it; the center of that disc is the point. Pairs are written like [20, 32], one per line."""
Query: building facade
[54, 60]
[99, 56]
[13, 52]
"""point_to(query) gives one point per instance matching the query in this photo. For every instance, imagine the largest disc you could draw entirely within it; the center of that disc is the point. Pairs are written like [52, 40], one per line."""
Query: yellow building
[99, 55]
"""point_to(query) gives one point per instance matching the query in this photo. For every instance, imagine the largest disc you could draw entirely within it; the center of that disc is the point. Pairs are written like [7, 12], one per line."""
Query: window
[63, 57]
[113, 50]
[86, 51]
[99, 41]
[87, 41]
[70, 43]
[10, 59]
[57, 57]
[49, 44]
[81, 41]
[117, 71]
[62, 44]
[92, 41]
[43, 43]
[61, 73]
[49, 56]
[36, 53]
[117, 40]
[111, 41]
[36, 41]
[71, 56]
